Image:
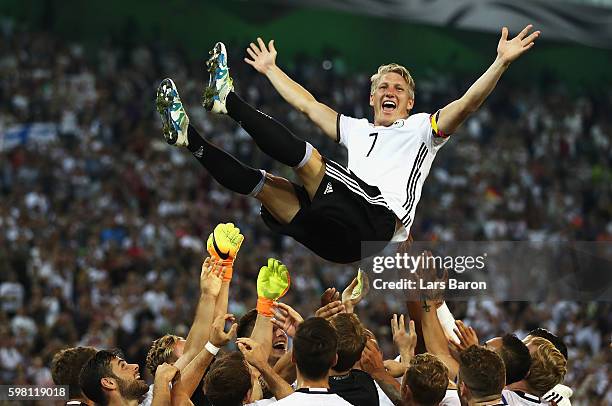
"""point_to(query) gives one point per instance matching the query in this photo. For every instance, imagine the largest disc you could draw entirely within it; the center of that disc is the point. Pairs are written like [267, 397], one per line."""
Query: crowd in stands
[103, 227]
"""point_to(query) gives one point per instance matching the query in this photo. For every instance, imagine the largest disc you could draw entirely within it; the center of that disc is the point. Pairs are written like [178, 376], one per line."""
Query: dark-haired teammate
[336, 208]
[107, 379]
[65, 368]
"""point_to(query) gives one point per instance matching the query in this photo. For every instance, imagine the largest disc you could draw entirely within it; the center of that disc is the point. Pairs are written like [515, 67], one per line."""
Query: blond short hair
[548, 366]
[427, 378]
[392, 68]
[162, 350]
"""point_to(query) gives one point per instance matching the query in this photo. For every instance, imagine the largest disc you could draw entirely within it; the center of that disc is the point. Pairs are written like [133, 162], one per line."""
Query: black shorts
[344, 212]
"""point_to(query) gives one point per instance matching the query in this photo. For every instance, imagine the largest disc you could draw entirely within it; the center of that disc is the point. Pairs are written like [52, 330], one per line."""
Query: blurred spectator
[101, 223]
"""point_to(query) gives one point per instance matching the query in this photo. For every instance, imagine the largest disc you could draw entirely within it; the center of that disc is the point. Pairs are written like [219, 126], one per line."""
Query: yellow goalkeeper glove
[224, 243]
[272, 283]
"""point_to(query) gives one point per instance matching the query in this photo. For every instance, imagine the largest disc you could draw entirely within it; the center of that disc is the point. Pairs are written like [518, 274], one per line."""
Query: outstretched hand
[356, 291]
[405, 341]
[467, 337]
[286, 318]
[509, 50]
[263, 57]
[211, 276]
[218, 336]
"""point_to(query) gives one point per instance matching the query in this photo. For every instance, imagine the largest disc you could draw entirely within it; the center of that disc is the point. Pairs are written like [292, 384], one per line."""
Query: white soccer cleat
[173, 114]
[220, 82]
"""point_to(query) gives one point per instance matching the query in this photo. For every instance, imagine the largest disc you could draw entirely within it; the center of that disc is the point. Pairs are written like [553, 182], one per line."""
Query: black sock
[271, 137]
[226, 169]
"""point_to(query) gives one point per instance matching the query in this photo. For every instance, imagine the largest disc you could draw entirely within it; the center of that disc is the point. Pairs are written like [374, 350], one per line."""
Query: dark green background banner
[364, 42]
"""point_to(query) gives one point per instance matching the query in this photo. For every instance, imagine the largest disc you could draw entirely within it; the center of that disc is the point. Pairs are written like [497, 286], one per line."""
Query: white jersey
[451, 398]
[560, 394]
[313, 396]
[396, 159]
[517, 398]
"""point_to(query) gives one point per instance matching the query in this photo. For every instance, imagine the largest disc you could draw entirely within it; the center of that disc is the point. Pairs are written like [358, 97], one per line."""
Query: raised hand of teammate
[272, 283]
[262, 58]
[330, 309]
[211, 276]
[467, 337]
[356, 291]
[509, 50]
[166, 373]
[253, 352]
[224, 243]
[330, 295]
[286, 318]
[218, 336]
[405, 341]
[371, 358]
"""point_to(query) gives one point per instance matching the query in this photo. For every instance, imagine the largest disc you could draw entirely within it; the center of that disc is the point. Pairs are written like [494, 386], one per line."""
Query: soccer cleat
[173, 115]
[220, 82]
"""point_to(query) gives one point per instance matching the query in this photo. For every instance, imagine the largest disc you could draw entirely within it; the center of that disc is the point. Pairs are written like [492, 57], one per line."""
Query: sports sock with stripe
[271, 137]
[226, 169]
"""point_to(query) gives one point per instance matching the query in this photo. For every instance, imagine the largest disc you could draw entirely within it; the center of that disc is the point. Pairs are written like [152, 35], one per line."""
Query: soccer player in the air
[336, 208]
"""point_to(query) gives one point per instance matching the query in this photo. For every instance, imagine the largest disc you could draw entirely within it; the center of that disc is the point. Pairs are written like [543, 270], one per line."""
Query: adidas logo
[199, 153]
[328, 188]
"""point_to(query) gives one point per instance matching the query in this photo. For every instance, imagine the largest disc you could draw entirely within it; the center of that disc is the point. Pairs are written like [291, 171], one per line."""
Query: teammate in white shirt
[481, 377]
[548, 368]
[335, 209]
[315, 346]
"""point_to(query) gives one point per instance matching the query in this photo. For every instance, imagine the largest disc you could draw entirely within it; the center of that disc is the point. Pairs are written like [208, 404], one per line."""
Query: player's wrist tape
[228, 264]
[264, 306]
[210, 347]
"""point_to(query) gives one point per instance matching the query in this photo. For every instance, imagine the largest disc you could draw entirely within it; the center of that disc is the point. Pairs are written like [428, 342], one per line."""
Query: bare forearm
[262, 333]
[323, 116]
[482, 88]
[456, 112]
[435, 339]
[389, 385]
[161, 393]
[200, 330]
[277, 385]
[289, 89]
[222, 300]
[192, 374]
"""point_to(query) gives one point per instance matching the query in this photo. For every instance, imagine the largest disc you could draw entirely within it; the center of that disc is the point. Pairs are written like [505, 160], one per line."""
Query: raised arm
[193, 373]
[263, 59]
[455, 113]
[210, 285]
[256, 355]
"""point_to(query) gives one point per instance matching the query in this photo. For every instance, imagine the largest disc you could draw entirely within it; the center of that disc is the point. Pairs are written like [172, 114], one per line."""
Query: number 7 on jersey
[375, 135]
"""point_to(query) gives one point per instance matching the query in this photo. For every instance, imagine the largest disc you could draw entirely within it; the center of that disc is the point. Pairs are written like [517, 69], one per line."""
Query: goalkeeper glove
[272, 283]
[224, 243]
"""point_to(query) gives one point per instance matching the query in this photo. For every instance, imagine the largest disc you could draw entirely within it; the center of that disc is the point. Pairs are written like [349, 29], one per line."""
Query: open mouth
[279, 346]
[388, 106]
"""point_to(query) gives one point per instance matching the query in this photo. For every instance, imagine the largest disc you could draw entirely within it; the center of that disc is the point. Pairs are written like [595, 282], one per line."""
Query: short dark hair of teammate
[482, 373]
[425, 381]
[228, 382]
[66, 366]
[165, 349]
[351, 340]
[554, 339]
[314, 348]
[246, 324]
[515, 355]
[108, 372]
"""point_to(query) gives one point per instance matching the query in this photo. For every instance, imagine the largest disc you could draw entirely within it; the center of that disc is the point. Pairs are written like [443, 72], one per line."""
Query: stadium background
[101, 223]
